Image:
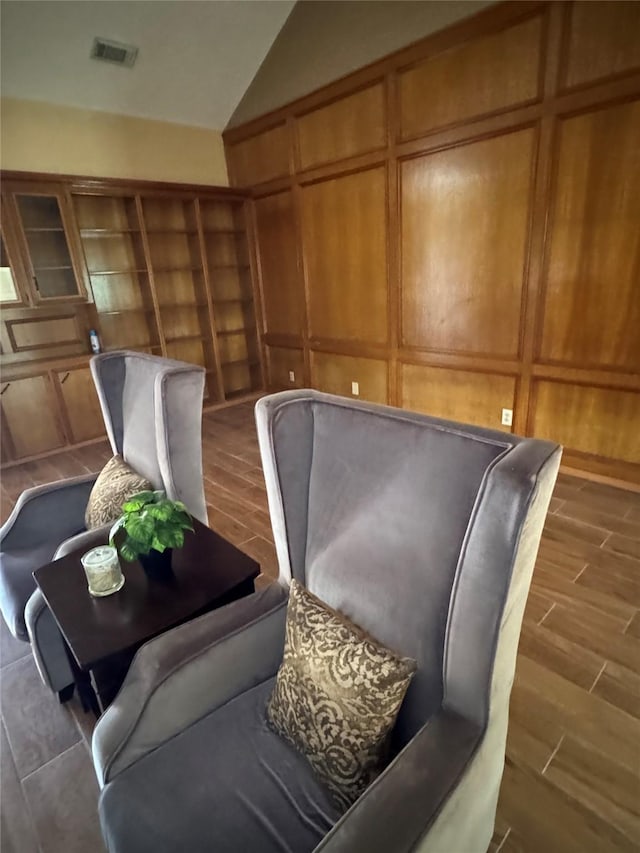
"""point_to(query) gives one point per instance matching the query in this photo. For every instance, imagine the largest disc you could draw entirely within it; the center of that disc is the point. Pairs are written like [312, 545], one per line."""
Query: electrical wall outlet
[292, 376]
[507, 417]
[355, 389]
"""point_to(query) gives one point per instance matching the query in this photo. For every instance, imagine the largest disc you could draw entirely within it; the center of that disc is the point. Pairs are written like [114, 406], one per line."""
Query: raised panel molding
[469, 397]
[335, 373]
[350, 126]
[280, 362]
[474, 79]
[592, 302]
[603, 40]
[262, 157]
[37, 333]
[282, 287]
[463, 244]
[599, 421]
[345, 254]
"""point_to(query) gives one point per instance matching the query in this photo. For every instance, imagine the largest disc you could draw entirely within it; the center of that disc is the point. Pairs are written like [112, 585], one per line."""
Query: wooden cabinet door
[81, 407]
[30, 416]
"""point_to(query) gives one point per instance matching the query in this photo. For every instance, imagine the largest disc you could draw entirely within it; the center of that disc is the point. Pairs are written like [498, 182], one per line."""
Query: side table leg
[88, 698]
[66, 693]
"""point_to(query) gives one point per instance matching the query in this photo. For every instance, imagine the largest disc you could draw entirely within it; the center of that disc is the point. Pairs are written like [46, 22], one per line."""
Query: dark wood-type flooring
[571, 781]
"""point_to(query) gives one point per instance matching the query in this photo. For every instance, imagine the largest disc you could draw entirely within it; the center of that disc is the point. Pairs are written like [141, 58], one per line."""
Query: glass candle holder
[102, 568]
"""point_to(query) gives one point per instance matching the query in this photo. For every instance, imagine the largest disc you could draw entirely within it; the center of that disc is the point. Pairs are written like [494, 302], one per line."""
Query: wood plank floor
[571, 780]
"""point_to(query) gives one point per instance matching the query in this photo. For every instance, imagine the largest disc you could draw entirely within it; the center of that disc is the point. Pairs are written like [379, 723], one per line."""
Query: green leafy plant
[151, 520]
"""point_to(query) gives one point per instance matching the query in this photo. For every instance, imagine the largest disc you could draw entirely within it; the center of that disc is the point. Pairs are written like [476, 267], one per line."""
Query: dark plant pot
[157, 564]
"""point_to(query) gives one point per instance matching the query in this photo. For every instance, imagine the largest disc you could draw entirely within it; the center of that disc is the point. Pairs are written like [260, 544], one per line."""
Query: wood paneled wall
[457, 228]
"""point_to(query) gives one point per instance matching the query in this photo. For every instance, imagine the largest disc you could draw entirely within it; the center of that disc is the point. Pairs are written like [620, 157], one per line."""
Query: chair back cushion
[389, 506]
[386, 503]
[139, 419]
[152, 409]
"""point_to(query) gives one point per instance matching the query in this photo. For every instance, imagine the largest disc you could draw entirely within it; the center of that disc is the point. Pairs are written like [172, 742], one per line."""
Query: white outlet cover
[355, 389]
[507, 417]
[292, 376]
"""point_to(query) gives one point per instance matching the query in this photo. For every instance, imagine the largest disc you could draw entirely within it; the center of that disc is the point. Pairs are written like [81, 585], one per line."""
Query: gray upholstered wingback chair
[152, 409]
[422, 531]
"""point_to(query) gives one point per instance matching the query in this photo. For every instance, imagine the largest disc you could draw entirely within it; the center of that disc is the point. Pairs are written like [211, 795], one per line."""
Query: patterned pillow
[337, 695]
[115, 484]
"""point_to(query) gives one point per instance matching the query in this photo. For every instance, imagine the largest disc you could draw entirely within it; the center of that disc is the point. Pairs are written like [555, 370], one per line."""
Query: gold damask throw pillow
[337, 695]
[115, 484]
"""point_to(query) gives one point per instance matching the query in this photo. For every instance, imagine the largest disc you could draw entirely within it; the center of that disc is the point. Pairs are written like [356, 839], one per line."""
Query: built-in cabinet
[47, 408]
[30, 417]
[158, 269]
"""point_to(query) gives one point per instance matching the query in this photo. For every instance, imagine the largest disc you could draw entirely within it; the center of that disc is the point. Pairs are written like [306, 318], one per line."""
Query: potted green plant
[154, 526]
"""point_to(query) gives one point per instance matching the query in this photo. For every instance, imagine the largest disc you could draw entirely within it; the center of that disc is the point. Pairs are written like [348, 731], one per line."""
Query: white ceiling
[196, 57]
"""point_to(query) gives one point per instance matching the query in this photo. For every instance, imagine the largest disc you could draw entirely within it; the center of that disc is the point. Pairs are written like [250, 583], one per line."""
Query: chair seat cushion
[17, 583]
[226, 784]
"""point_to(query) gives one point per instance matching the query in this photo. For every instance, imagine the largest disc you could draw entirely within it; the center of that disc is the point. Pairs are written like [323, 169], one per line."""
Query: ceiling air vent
[113, 51]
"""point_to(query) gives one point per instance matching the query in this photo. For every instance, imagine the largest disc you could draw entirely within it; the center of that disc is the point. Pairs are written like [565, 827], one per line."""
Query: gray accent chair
[152, 409]
[422, 531]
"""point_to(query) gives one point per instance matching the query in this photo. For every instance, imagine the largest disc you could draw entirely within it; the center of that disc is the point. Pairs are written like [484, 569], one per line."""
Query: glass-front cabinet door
[53, 265]
[12, 276]
[9, 293]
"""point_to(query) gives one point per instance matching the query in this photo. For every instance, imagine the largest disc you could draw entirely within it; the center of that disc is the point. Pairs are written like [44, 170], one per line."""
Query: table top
[206, 568]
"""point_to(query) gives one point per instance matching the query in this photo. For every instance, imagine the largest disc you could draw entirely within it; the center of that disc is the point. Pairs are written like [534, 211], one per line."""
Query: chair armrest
[47, 645]
[183, 675]
[399, 808]
[47, 513]
[85, 540]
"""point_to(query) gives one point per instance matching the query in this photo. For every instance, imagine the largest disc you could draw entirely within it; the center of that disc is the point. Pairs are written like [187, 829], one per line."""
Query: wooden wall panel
[281, 277]
[352, 125]
[464, 235]
[599, 421]
[344, 240]
[282, 360]
[261, 157]
[603, 40]
[335, 373]
[475, 233]
[592, 305]
[479, 77]
[474, 398]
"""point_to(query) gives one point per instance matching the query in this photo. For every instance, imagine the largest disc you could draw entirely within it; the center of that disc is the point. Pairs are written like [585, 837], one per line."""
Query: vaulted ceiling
[195, 60]
[200, 62]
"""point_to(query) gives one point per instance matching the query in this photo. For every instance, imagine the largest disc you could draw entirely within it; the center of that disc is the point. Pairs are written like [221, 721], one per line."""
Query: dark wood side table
[103, 634]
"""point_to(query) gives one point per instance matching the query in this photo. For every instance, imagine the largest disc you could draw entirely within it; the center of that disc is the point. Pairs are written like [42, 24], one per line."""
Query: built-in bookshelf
[165, 269]
[226, 252]
[171, 275]
[114, 253]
